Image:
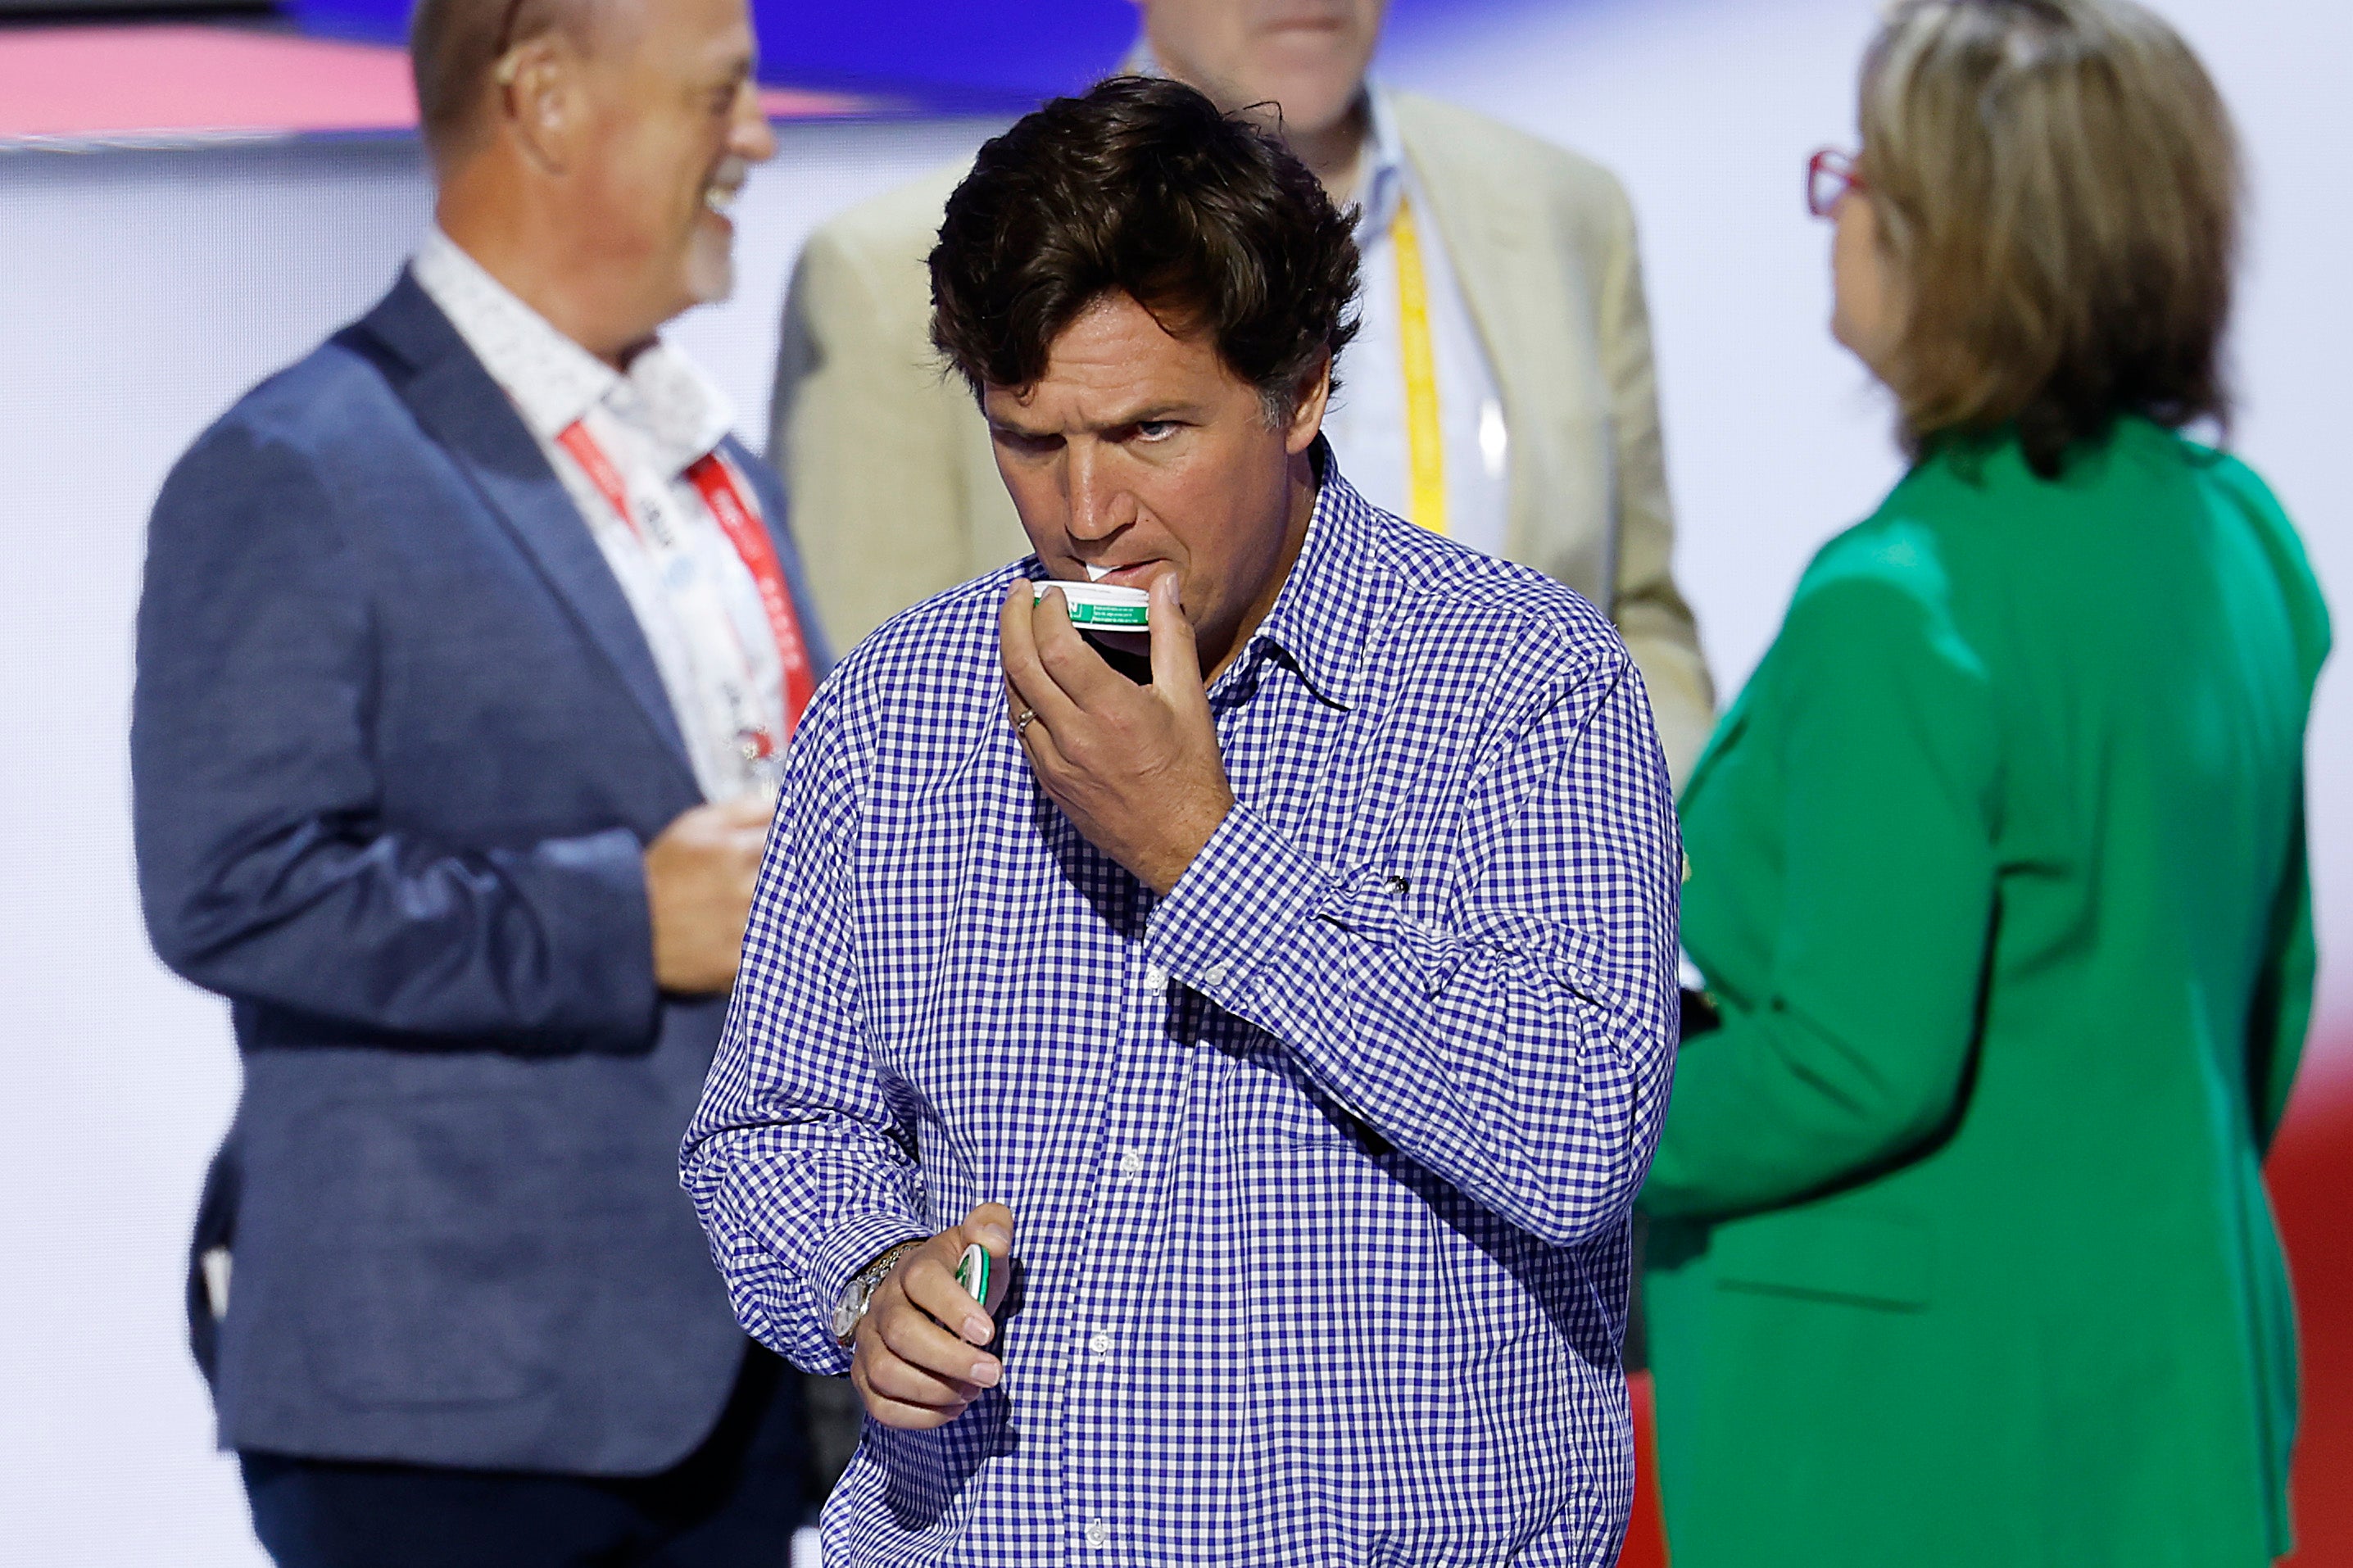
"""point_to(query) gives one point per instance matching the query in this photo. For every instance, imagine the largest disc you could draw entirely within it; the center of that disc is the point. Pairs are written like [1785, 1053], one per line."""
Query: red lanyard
[715, 481]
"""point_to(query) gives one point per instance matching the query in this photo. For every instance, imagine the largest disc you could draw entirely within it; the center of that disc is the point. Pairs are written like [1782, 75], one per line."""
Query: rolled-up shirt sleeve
[798, 1169]
[1497, 1005]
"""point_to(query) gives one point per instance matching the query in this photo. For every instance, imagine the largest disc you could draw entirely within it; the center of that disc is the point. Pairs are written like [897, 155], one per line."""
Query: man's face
[1139, 453]
[673, 125]
[1309, 56]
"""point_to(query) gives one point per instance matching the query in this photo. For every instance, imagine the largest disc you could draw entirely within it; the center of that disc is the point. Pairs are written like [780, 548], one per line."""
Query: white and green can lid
[1102, 604]
[972, 1272]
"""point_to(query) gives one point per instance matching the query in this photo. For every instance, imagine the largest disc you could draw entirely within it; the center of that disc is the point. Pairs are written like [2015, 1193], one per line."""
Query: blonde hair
[454, 49]
[2057, 184]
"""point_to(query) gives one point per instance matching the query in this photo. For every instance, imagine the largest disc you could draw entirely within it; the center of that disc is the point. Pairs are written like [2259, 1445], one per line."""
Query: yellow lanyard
[1425, 441]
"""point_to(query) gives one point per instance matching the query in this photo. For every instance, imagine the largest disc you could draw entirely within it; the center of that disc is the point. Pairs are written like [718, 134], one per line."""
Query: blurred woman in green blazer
[1959, 1249]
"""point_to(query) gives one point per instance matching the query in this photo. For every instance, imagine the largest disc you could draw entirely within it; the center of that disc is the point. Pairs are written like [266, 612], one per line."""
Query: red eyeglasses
[1829, 176]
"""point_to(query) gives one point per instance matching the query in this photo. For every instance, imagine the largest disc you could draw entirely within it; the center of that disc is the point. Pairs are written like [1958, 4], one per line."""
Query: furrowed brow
[1148, 415]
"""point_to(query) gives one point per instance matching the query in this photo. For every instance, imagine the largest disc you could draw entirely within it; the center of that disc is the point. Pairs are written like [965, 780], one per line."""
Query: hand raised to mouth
[1136, 768]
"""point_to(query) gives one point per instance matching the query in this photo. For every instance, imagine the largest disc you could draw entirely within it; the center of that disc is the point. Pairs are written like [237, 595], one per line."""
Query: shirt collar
[1380, 190]
[1380, 187]
[554, 382]
[1318, 624]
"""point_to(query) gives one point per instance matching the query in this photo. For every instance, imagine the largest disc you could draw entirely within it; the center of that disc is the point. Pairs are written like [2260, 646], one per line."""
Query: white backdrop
[143, 292]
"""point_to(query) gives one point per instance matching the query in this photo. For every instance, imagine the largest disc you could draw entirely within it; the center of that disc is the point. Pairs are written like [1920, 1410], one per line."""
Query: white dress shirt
[693, 598]
[1367, 424]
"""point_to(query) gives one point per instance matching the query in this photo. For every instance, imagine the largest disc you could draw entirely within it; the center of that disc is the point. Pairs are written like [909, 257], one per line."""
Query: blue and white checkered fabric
[1320, 1166]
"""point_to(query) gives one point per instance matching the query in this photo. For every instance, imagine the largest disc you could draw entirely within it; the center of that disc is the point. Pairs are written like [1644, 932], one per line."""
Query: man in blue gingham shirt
[1294, 1042]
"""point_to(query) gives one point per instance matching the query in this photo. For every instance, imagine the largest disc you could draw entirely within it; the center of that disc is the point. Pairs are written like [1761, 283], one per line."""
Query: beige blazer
[896, 495]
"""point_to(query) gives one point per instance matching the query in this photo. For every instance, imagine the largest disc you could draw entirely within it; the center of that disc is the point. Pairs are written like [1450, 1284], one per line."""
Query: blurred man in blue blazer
[466, 650]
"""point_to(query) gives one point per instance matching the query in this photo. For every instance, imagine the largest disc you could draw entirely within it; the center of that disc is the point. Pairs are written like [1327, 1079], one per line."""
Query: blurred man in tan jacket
[1502, 388]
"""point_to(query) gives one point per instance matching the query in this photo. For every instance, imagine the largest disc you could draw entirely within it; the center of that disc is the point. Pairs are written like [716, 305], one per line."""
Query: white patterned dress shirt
[1367, 424]
[693, 598]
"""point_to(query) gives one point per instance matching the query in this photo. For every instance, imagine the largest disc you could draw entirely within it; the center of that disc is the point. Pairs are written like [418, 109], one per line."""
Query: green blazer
[1961, 1249]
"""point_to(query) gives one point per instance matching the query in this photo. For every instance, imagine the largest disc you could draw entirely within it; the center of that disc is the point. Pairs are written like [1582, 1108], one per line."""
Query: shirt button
[1215, 975]
[1101, 1345]
[1131, 1164]
[1156, 979]
[1098, 1534]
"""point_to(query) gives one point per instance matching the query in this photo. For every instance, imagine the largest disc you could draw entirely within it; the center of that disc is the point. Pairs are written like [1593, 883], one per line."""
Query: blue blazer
[396, 746]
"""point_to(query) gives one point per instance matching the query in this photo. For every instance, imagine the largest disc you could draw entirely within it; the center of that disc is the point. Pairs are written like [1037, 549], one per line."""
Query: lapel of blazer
[458, 403]
[1520, 291]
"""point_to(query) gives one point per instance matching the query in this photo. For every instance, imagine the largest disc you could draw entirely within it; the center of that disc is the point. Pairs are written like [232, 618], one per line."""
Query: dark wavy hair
[1143, 187]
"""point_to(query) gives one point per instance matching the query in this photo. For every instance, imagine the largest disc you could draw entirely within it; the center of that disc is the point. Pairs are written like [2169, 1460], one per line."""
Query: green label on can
[972, 1273]
[1086, 615]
